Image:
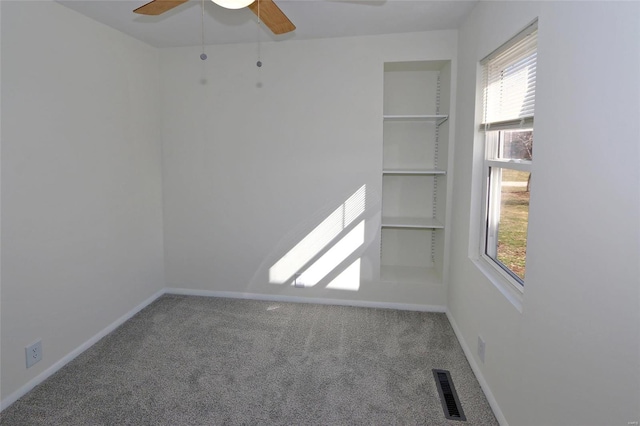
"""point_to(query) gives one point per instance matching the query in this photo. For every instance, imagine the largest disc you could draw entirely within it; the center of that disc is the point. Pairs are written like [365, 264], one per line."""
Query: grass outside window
[514, 219]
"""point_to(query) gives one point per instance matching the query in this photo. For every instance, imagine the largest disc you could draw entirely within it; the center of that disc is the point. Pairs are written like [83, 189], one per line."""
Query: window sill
[500, 282]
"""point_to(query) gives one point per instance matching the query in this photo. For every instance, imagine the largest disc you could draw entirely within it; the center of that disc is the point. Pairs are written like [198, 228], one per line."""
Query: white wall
[255, 158]
[572, 356]
[81, 182]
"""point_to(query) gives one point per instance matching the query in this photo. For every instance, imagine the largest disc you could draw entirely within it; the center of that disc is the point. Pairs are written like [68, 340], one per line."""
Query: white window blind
[510, 82]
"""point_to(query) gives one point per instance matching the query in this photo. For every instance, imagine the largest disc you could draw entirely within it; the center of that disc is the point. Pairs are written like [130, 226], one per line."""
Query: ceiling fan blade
[272, 16]
[158, 7]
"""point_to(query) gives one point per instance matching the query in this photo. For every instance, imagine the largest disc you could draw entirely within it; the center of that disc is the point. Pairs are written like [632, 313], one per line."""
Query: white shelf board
[409, 275]
[411, 223]
[437, 118]
[394, 171]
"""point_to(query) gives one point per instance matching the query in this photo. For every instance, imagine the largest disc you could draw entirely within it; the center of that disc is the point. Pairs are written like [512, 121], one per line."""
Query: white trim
[508, 285]
[298, 299]
[503, 274]
[74, 353]
[523, 166]
[505, 284]
[478, 373]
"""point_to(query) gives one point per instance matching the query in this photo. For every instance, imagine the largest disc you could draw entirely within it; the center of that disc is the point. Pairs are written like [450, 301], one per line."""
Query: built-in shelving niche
[414, 175]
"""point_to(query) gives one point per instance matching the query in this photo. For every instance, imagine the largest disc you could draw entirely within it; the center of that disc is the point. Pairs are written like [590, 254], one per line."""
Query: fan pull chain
[259, 63]
[203, 56]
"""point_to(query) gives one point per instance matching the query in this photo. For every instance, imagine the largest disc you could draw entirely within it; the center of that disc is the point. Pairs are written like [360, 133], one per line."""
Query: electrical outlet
[296, 281]
[33, 353]
[481, 348]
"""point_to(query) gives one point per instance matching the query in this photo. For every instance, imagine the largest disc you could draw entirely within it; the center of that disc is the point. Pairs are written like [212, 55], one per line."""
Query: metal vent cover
[448, 396]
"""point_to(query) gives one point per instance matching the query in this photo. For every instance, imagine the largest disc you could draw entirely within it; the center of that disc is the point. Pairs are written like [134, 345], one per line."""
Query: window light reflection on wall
[316, 240]
[349, 279]
[334, 257]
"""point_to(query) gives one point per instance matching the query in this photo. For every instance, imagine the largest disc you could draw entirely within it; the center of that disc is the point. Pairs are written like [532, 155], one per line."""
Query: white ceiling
[313, 19]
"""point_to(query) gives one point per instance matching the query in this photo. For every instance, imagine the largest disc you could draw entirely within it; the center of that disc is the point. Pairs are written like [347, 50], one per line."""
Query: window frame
[505, 280]
[492, 192]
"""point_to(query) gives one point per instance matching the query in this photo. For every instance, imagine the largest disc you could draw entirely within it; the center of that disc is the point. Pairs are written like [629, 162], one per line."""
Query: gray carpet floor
[210, 361]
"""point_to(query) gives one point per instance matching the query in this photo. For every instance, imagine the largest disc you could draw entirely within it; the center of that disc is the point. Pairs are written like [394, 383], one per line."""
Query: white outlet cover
[33, 353]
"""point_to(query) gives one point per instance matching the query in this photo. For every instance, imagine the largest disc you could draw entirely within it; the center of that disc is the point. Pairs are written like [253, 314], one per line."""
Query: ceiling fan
[266, 10]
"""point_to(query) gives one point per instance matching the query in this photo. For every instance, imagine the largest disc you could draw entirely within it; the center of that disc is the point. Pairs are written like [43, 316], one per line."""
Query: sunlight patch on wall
[316, 240]
[349, 279]
[333, 257]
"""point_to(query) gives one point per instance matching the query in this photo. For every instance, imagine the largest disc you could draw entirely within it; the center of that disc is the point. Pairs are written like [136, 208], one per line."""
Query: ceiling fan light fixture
[233, 4]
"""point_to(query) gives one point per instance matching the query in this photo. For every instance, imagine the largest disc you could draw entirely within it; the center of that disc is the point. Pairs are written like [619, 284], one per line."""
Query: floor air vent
[448, 396]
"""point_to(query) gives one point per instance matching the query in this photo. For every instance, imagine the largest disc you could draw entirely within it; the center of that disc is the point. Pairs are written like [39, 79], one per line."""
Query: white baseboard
[74, 353]
[478, 373]
[299, 299]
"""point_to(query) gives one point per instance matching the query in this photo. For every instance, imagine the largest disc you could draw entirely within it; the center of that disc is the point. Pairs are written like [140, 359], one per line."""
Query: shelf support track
[435, 164]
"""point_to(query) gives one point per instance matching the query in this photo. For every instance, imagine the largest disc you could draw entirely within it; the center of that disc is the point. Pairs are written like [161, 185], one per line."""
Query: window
[509, 82]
